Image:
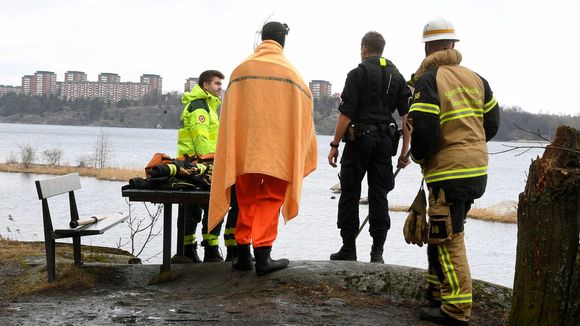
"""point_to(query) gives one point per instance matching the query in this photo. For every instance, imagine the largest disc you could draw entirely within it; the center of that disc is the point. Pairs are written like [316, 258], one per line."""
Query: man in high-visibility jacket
[197, 135]
[453, 115]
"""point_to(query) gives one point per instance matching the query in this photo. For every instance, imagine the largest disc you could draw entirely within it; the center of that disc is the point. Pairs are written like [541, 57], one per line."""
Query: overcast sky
[524, 48]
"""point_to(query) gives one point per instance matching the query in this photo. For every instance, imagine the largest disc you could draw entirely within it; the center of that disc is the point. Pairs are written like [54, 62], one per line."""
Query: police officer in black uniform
[372, 92]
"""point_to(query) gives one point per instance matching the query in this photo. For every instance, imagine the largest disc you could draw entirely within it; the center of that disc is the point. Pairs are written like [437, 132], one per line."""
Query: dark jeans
[370, 153]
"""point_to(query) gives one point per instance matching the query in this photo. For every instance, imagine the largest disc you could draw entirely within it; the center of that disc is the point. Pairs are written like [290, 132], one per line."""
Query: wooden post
[546, 284]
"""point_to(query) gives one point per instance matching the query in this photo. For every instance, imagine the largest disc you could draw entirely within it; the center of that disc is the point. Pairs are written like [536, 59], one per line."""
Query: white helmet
[439, 29]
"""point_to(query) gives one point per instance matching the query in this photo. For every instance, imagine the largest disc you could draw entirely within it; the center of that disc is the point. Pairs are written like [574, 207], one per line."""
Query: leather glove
[409, 227]
[415, 228]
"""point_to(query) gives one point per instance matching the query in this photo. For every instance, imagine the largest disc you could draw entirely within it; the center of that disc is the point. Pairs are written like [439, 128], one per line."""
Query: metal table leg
[166, 237]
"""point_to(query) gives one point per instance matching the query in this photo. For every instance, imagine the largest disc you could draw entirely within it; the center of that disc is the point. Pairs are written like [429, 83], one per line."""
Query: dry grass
[483, 214]
[18, 278]
[115, 174]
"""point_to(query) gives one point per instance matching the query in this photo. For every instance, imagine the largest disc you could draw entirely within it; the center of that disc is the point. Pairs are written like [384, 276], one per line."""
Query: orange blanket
[266, 126]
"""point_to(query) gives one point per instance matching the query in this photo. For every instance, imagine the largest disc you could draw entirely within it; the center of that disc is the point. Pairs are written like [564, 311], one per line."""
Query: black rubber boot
[243, 262]
[265, 264]
[346, 252]
[377, 250]
[435, 315]
[232, 252]
[190, 251]
[212, 255]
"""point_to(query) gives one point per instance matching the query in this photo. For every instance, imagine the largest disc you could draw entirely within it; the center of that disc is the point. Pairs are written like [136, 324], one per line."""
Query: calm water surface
[311, 235]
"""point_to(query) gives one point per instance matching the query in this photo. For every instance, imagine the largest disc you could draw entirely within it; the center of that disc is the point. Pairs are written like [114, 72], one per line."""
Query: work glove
[415, 228]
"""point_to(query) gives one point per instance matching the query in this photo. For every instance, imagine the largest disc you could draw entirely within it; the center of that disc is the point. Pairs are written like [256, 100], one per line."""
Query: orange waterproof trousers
[260, 198]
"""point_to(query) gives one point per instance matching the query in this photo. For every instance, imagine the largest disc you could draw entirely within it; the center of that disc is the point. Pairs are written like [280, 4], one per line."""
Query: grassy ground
[115, 174]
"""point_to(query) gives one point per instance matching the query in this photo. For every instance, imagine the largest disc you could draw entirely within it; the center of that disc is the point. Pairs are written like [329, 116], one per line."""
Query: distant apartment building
[108, 87]
[155, 83]
[189, 83]
[320, 89]
[41, 83]
[5, 89]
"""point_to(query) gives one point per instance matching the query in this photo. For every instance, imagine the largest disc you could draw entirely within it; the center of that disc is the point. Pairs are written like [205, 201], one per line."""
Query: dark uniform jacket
[373, 90]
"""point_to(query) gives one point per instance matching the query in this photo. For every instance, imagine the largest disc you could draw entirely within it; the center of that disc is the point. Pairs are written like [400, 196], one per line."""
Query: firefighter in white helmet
[452, 116]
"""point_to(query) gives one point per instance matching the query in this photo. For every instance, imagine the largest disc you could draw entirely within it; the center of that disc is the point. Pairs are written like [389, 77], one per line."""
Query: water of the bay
[312, 235]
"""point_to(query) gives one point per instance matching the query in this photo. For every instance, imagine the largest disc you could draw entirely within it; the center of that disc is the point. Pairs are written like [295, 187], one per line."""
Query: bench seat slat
[92, 229]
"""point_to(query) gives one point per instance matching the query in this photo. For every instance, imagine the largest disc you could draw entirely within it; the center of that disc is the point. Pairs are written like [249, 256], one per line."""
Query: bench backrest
[58, 185]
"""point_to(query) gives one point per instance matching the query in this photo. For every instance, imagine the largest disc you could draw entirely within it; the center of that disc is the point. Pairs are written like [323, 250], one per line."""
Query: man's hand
[333, 156]
[403, 161]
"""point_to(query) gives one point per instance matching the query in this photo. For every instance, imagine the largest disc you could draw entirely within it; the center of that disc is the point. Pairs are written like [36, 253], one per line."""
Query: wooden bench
[68, 184]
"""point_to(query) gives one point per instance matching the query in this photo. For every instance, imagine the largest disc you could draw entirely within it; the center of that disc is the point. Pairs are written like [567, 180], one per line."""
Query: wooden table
[168, 198]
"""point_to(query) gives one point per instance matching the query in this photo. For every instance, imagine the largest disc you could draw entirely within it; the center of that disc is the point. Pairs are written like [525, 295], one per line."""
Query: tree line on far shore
[164, 112]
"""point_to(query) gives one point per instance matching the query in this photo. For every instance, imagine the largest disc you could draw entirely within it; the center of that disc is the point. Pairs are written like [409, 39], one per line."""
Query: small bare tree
[27, 154]
[11, 159]
[138, 225]
[53, 156]
[102, 151]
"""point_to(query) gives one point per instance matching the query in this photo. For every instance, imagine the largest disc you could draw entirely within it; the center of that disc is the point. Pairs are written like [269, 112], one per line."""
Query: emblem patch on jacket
[201, 119]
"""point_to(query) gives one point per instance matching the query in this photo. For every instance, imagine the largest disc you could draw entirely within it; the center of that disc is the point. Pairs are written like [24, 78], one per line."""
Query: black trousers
[370, 153]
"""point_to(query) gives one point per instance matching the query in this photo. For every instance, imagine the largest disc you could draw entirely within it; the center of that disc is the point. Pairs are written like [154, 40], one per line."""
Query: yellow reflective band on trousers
[449, 271]
[382, 62]
[432, 279]
[455, 174]
[211, 240]
[425, 107]
[459, 298]
[230, 242]
[460, 113]
[489, 105]
[172, 169]
[229, 231]
[189, 239]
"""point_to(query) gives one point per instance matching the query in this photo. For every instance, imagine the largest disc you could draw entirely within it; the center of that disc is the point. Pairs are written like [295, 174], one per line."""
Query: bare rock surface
[306, 293]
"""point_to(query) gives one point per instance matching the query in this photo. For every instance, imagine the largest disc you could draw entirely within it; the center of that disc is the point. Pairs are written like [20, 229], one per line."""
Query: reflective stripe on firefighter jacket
[459, 99]
[198, 126]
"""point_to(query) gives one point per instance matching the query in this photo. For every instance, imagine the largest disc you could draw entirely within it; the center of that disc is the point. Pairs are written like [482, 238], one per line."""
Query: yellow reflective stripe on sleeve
[230, 243]
[189, 239]
[416, 160]
[489, 105]
[456, 174]
[461, 113]
[448, 269]
[172, 169]
[383, 62]
[425, 107]
[459, 298]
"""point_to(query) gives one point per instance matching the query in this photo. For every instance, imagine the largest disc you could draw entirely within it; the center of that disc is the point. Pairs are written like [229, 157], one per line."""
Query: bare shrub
[102, 151]
[53, 156]
[27, 154]
[12, 159]
[84, 161]
[138, 225]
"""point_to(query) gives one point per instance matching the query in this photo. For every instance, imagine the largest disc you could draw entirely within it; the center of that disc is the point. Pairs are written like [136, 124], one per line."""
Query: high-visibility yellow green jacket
[198, 125]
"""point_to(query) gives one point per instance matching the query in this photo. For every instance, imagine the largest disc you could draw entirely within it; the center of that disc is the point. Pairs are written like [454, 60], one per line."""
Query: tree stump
[546, 284]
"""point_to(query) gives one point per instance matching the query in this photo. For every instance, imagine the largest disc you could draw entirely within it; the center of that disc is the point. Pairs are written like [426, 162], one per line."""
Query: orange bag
[158, 158]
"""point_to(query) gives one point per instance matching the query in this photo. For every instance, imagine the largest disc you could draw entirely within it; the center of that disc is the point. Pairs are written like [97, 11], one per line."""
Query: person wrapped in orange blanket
[266, 146]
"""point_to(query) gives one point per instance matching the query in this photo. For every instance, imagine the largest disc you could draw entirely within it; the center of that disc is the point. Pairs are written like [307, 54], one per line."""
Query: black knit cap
[275, 31]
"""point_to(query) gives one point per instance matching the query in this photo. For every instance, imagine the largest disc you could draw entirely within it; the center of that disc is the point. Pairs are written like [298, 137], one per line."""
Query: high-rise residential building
[189, 83]
[5, 89]
[107, 77]
[320, 89]
[45, 82]
[28, 83]
[75, 76]
[155, 83]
